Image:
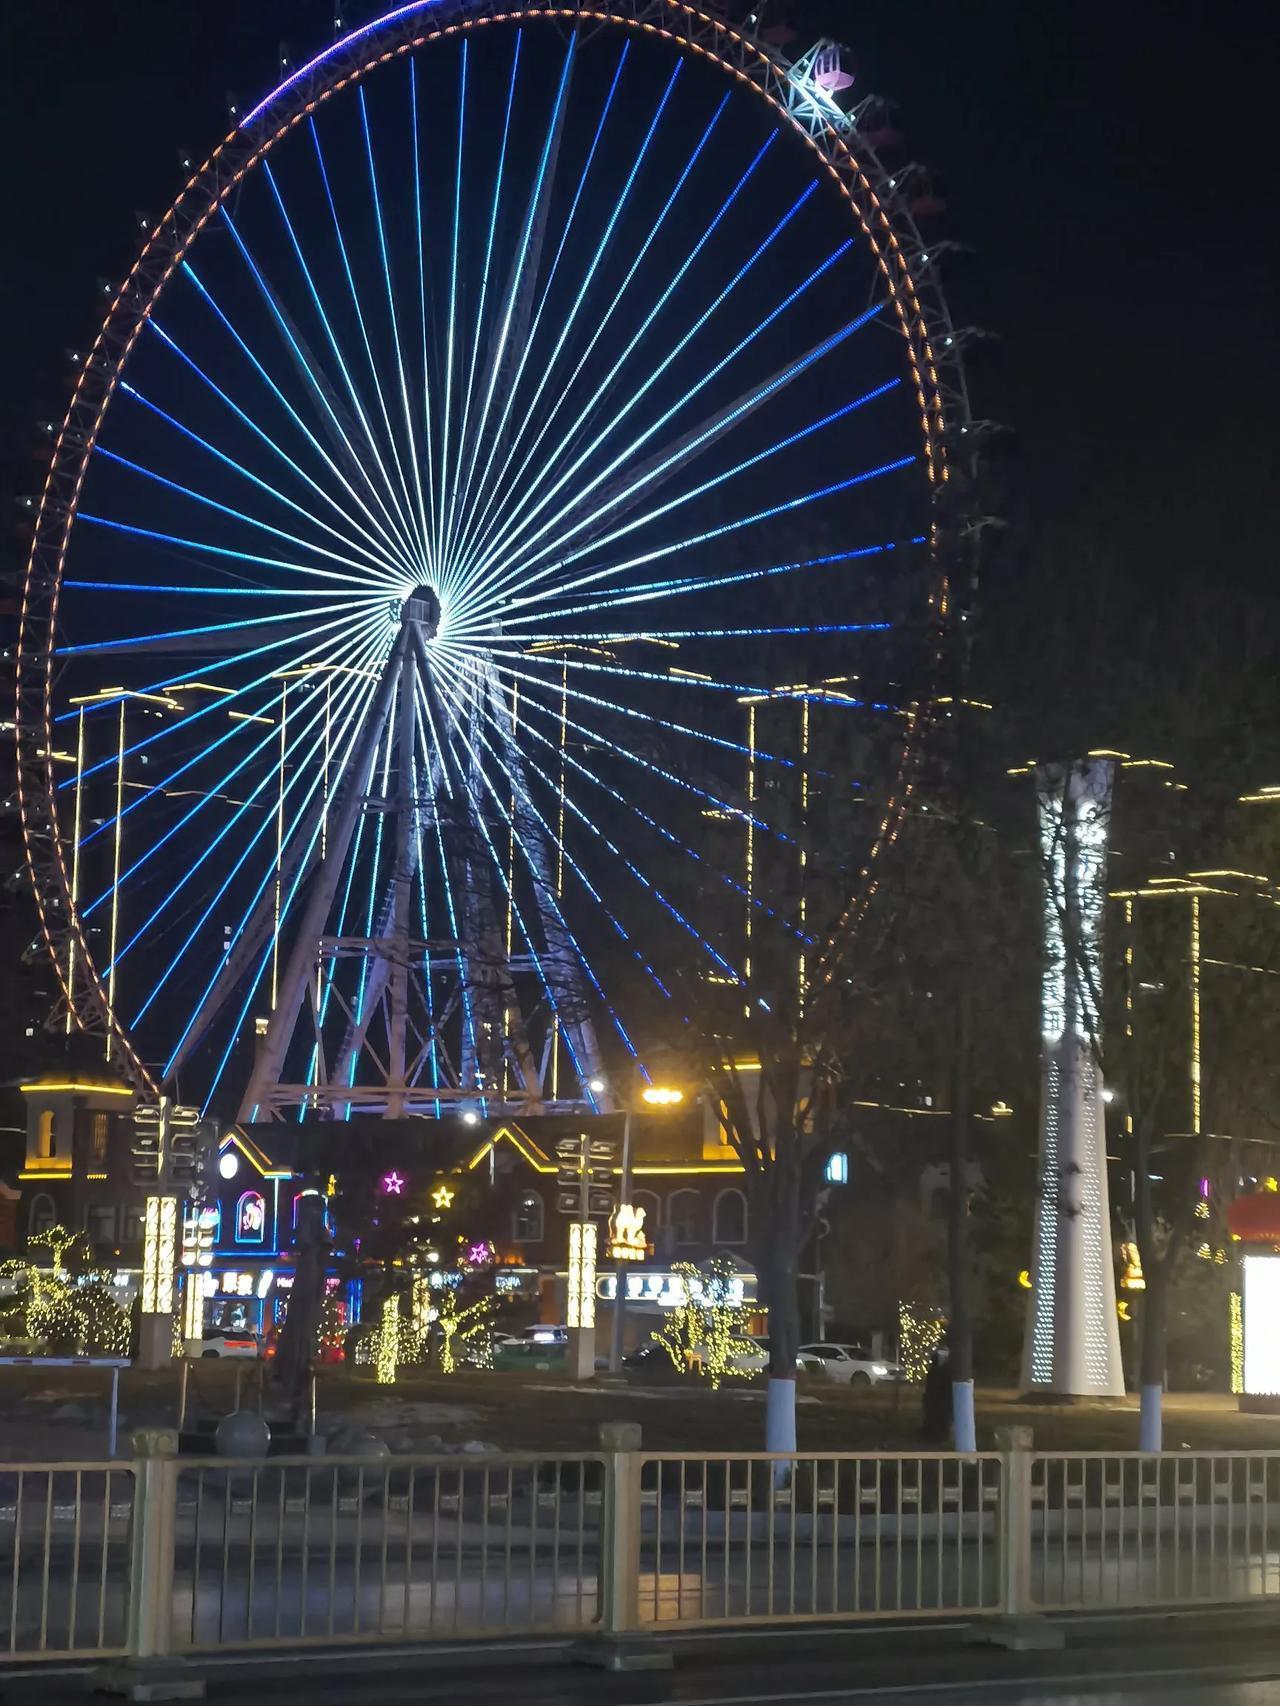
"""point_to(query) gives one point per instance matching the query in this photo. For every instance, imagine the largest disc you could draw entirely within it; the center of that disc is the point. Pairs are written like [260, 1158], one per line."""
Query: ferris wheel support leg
[402, 883]
[269, 1062]
[564, 971]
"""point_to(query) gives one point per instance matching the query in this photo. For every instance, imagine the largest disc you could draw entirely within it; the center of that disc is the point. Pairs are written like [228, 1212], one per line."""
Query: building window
[651, 1203]
[251, 1218]
[682, 1216]
[100, 1224]
[46, 1137]
[41, 1215]
[98, 1133]
[729, 1218]
[837, 1171]
[132, 1230]
[526, 1223]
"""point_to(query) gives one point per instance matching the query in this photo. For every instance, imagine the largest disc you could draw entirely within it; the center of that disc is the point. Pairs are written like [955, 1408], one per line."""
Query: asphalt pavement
[1225, 1659]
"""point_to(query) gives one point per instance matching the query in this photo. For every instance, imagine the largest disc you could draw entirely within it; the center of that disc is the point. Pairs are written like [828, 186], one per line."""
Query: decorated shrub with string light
[469, 1326]
[73, 1313]
[920, 1332]
[704, 1333]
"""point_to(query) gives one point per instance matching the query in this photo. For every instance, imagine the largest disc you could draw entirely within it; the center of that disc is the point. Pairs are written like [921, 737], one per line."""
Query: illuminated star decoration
[442, 1197]
[393, 1184]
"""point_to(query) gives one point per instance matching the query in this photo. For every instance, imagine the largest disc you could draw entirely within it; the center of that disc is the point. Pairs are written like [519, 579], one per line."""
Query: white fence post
[619, 1645]
[1019, 1627]
[142, 1676]
[1014, 1445]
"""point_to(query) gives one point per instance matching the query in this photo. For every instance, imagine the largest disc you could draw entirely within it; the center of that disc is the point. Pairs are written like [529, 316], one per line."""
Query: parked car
[851, 1365]
[216, 1343]
[541, 1334]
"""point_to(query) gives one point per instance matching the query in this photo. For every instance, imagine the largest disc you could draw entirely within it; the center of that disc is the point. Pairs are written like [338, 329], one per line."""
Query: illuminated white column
[1073, 1343]
[159, 1259]
[581, 1302]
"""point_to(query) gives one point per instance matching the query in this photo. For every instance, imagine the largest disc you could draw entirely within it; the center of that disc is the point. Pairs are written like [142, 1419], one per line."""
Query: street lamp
[654, 1096]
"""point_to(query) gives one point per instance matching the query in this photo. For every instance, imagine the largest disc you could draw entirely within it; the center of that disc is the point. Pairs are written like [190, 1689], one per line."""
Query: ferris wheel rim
[883, 220]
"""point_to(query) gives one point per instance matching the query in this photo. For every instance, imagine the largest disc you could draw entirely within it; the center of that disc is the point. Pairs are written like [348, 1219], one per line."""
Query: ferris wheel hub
[422, 607]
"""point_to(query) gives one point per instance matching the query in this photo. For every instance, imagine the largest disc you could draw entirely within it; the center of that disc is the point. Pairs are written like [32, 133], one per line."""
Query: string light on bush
[920, 1332]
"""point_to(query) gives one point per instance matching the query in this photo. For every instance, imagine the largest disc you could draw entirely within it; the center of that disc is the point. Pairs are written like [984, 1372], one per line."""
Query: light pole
[655, 1096]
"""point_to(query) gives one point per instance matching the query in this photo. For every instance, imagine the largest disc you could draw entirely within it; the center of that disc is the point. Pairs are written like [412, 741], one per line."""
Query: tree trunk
[1155, 1272]
[778, 1276]
[960, 1330]
[1151, 1360]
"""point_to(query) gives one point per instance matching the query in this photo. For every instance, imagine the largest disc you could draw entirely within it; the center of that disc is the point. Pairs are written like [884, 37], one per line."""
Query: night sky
[1107, 165]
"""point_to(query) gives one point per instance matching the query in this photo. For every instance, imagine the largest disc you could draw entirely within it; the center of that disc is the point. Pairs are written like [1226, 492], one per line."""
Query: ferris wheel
[521, 411]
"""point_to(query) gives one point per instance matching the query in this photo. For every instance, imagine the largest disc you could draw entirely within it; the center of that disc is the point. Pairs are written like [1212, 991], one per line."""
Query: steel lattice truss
[509, 404]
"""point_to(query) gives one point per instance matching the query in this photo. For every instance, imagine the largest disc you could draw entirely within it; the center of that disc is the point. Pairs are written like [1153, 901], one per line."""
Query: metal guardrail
[1127, 1529]
[167, 1555]
[748, 1538]
[303, 1550]
[65, 1560]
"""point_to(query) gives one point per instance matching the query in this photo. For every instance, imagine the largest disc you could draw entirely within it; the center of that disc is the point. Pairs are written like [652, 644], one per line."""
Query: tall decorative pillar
[1072, 1344]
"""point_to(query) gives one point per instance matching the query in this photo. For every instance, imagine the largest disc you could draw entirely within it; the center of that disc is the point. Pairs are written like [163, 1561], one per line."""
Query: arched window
[251, 1218]
[683, 1216]
[41, 1215]
[526, 1222]
[46, 1137]
[729, 1218]
[651, 1203]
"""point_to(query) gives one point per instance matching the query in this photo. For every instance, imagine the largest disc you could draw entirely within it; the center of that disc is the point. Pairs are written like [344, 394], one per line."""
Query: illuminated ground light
[159, 1254]
[582, 1275]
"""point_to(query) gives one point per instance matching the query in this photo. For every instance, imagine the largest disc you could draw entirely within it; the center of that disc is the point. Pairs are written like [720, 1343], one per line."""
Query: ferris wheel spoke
[428, 544]
[358, 1015]
[536, 867]
[513, 486]
[494, 205]
[596, 736]
[657, 893]
[483, 504]
[787, 506]
[431, 745]
[622, 636]
[448, 475]
[517, 304]
[184, 543]
[677, 459]
[634, 713]
[315, 748]
[687, 682]
[666, 834]
[505, 544]
[328, 970]
[242, 944]
[159, 790]
[403, 509]
[663, 589]
[353, 565]
[221, 704]
[375, 556]
[674, 460]
[389, 535]
[398, 497]
[210, 637]
[428, 436]
[524, 337]
[201, 1009]
[384, 494]
[548, 983]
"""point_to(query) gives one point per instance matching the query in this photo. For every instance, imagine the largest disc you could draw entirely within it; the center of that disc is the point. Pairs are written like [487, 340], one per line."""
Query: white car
[851, 1365]
[541, 1334]
[231, 1343]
